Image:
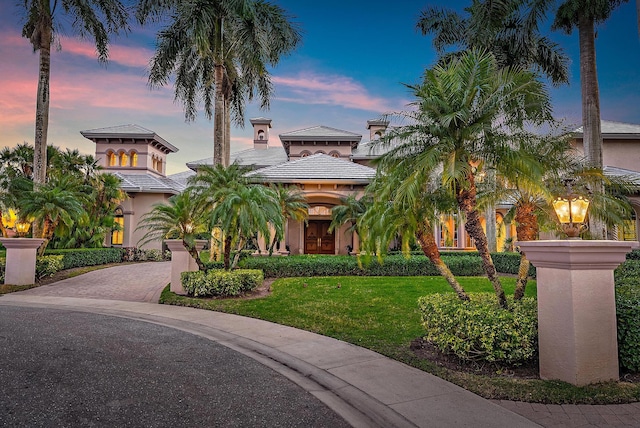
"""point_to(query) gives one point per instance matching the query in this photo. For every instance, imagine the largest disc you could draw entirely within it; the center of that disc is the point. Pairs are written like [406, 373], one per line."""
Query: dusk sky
[351, 67]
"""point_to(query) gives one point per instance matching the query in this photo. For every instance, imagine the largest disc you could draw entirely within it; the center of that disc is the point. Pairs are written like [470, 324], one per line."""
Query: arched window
[319, 152]
[154, 162]
[334, 154]
[377, 135]
[117, 234]
[304, 153]
[111, 158]
[159, 165]
[124, 159]
[134, 159]
[260, 135]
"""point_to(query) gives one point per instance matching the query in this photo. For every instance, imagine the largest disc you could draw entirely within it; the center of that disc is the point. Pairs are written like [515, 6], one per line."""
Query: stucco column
[181, 261]
[355, 242]
[577, 330]
[20, 268]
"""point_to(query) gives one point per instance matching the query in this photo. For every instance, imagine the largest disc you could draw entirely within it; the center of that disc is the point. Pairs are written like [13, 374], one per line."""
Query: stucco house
[325, 163]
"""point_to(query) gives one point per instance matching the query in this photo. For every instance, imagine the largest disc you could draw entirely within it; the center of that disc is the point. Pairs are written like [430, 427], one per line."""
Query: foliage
[48, 265]
[87, 256]
[221, 282]
[508, 262]
[628, 317]
[479, 329]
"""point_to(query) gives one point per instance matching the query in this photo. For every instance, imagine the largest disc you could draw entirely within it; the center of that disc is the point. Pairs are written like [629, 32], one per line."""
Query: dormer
[261, 127]
[130, 149]
[319, 140]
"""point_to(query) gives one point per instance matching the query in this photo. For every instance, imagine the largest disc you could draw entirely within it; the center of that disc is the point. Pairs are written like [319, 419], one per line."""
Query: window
[134, 159]
[111, 158]
[630, 229]
[124, 159]
[117, 234]
[260, 135]
[159, 165]
[305, 153]
[334, 154]
[377, 135]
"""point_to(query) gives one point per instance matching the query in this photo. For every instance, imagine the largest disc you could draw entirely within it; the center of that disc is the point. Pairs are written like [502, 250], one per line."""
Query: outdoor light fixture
[22, 228]
[572, 212]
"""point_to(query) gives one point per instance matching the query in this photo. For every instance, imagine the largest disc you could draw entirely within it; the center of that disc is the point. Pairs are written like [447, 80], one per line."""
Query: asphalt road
[69, 369]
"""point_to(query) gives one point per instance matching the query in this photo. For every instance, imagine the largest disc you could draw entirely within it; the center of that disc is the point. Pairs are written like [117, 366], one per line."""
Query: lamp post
[572, 212]
[22, 228]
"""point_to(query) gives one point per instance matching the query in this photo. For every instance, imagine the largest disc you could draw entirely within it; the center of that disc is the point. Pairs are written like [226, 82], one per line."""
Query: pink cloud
[310, 88]
[124, 55]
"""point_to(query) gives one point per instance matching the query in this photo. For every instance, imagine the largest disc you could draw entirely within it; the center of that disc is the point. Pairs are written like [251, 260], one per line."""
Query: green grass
[381, 314]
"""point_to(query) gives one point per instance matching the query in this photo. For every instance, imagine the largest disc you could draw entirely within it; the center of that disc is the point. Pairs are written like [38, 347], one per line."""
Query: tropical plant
[219, 52]
[88, 18]
[467, 113]
[405, 205]
[183, 217]
[293, 205]
[350, 210]
[585, 15]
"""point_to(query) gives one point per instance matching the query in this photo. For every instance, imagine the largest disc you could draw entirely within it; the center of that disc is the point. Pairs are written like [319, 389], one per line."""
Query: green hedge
[311, 265]
[628, 316]
[88, 256]
[510, 263]
[220, 282]
[480, 329]
[45, 266]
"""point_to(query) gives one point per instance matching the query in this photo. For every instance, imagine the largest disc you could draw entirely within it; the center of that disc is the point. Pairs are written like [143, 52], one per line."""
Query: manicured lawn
[381, 313]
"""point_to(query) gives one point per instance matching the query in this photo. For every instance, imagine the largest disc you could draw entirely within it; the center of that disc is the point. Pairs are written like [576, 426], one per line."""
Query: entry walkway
[365, 388]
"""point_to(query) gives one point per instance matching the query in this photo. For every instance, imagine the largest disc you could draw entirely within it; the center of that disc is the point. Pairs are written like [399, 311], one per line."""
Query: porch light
[22, 228]
[572, 213]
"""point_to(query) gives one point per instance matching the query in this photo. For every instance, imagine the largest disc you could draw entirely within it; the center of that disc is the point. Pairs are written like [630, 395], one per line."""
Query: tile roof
[630, 175]
[147, 183]
[320, 133]
[257, 158]
[182, 177]
[616, 129]
[370, 150]
[127, 131]
[316, 167]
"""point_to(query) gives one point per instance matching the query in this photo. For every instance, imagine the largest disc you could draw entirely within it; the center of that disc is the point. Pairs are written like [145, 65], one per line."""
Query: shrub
[87, 256]
[628, 273]
[48, 265]
[628, 316]
[220, 282]
[510, 263]
[480, 329]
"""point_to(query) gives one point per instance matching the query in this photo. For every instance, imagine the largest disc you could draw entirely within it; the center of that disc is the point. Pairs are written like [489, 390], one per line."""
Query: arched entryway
[318, 238]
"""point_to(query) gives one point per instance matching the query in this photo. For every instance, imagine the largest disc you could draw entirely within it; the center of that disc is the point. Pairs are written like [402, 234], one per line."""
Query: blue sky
[351, 67]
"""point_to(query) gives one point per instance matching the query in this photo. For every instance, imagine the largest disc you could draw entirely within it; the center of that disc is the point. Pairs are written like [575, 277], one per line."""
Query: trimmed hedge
[87, 256]
[220, 282]
[311, 265]
[45, 266]
[510, 263]
[480, 329]
[628, 316]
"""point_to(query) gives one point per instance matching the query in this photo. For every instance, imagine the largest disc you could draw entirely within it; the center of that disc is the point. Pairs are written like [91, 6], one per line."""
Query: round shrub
[480, 329]
[218, 282]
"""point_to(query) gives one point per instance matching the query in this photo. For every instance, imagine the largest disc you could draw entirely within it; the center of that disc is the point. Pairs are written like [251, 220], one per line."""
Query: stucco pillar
[20, 268]
[577, 330]
[181, 261]
[355, 242]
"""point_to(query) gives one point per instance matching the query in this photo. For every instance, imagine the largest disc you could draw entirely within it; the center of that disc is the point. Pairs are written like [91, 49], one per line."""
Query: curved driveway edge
[364, 387]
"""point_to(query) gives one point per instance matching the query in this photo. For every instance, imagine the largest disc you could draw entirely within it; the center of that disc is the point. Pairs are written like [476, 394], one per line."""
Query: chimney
[261, 127]
[377, 128]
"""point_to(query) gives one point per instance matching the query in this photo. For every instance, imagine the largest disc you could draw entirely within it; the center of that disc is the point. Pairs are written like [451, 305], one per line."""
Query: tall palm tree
[349, 211]
[585, 15]
[219, 51]
[94, 18]
[293, 205]
[467, 112]
[183, 217]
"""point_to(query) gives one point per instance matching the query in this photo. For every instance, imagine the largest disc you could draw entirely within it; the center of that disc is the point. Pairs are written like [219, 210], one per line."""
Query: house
[326, 163]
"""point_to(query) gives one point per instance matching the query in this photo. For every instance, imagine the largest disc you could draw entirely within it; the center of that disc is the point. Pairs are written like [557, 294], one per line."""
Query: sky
[353, 64]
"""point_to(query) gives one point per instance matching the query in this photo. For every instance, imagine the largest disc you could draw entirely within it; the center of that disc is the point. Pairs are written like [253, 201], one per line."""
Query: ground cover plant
[382, 314]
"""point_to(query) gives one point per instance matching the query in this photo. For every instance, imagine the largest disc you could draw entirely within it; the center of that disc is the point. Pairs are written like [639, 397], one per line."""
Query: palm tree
[467, 113]
[244, 212]
[183, 217]
[585, 15]
[88, 18]
[218, 51]
[293, 205]
[350, 210]
[406, 204]
[52, 205]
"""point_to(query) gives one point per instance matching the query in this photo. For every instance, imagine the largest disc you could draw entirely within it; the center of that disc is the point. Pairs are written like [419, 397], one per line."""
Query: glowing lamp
[572, 212]
[22, 228]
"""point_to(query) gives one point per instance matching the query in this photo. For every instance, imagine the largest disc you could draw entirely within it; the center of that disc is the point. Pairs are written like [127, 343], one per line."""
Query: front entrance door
[318, 240]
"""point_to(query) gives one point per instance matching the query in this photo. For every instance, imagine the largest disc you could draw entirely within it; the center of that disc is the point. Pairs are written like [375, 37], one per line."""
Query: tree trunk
[591, 132]
[526, 230]
[42, 105]
[193, 252]
[424, 235]
[227, 252]
[218, 118]
[467, 203]
[227, 134]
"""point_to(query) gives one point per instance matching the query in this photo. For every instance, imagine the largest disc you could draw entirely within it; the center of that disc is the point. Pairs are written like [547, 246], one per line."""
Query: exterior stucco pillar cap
[576, 254]
[21, 243]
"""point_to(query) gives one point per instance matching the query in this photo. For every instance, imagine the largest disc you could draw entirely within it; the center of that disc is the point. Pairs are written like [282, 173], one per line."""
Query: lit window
[117, 234]
[124, 159]
[159, 165]
[630, 229]
[134, 159]
[112, 158]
